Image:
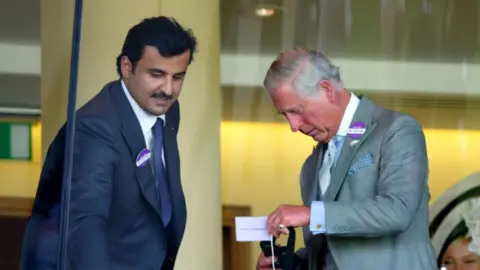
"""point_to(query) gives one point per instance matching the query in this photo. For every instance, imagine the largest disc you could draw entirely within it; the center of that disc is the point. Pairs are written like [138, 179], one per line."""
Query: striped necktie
[325, 170]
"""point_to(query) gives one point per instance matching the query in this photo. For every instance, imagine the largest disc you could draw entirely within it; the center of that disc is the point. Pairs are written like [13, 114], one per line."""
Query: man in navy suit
[127, 208]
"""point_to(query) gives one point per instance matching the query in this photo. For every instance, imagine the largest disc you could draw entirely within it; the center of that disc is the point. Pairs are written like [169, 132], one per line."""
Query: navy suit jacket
[115, 220]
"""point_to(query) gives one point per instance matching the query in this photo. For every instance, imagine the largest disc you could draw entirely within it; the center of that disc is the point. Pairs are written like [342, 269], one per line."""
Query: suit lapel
[132, 132]
[311, 176]
[172, 160]
[364, 114]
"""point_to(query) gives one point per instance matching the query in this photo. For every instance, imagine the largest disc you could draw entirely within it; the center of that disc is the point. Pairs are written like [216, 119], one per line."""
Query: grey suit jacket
[376, 208]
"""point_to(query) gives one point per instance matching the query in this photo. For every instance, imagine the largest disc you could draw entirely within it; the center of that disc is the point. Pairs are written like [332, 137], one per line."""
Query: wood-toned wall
[14, 214]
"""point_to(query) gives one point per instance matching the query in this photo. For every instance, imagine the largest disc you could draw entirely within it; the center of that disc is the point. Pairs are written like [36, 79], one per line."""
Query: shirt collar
[348, 115]
[146, 119]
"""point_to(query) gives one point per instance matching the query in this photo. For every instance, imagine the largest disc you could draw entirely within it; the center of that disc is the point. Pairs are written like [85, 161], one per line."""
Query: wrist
[307, 213]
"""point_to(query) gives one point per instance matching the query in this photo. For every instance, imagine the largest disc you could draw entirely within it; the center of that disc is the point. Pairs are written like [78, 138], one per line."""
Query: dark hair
[460, 230]
[163, 33]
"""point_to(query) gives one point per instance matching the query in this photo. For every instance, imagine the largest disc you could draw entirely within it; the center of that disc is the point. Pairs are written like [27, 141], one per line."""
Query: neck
[343, 98]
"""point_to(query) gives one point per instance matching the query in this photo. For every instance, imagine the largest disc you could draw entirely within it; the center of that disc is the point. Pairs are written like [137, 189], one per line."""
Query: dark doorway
[236, 255]
[14, 214]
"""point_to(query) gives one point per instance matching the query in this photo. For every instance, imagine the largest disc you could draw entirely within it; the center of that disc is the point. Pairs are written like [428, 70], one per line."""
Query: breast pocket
[362, 176]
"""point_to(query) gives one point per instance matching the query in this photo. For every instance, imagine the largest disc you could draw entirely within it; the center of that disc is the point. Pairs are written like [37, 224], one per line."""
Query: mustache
[162, 95]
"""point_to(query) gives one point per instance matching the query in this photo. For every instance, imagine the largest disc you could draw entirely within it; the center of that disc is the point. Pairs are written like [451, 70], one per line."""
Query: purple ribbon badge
[356, 130]
[143, 157]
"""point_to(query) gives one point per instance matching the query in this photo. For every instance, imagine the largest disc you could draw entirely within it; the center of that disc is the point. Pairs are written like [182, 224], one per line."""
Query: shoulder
[400, 133]
[101, 104]
[391, 121]
[99, 114]
[104, 102]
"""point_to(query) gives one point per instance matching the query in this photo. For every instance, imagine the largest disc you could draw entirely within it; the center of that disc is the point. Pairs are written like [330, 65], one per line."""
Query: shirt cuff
[317, 218]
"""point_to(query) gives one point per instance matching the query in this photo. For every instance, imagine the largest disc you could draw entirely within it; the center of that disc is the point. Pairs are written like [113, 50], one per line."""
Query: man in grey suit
[364, 187]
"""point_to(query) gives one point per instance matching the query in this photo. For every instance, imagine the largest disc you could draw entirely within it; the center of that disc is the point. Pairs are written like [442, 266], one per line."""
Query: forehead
[152, 59]
[459, 246]
[284, 98]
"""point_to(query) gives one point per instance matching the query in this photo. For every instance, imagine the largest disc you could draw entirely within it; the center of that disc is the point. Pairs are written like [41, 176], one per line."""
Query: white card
[251, 229]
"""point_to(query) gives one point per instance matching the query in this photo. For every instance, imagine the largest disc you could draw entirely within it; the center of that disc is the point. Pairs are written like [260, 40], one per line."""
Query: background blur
[415, 56]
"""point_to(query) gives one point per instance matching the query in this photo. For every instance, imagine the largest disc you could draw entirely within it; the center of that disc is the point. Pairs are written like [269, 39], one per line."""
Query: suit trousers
[324, 257]
[329, 261]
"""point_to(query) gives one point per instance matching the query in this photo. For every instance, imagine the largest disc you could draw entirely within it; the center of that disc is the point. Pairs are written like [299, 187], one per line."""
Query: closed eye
[179, 76]
[156, 73]
[296, 111]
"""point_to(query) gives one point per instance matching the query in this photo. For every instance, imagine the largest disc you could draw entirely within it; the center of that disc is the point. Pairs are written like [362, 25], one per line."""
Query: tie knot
[159, 121]
[332, 142]
[158, 127]
[337, 139]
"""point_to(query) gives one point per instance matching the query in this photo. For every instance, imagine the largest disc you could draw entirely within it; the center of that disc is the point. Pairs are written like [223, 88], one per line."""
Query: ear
[126, 66]
[329, 91]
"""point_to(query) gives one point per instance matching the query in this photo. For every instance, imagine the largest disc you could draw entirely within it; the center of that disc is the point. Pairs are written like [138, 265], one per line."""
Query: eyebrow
[291, 109]
[180, 73]
[158, 70]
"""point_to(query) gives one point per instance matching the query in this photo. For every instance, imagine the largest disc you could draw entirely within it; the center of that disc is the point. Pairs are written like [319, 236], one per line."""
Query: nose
[168, 86]
[294, 122]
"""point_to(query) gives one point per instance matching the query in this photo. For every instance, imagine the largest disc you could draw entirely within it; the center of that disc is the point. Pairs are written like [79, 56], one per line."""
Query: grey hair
[304, 69]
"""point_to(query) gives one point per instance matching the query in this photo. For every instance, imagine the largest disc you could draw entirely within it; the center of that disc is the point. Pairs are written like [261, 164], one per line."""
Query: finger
[266, 262]
[275, 225]
[270, 219]
[284, 231]
[271, 222]
[280, 226]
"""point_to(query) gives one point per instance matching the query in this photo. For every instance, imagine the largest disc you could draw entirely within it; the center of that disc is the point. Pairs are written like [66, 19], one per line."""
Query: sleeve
[402, 183]
[94, 160]
[317, 217]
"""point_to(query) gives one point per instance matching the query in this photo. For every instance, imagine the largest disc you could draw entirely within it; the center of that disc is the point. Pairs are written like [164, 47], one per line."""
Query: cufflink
[319, 226]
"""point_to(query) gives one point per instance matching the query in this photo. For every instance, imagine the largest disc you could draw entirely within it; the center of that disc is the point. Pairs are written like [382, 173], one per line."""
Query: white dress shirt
[146, 120]
[348, 115]
[317, 208]
[338, 139]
